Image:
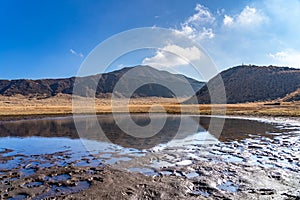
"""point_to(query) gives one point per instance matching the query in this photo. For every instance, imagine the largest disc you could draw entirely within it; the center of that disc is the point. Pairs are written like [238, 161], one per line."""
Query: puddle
[19, 197]
[54, 190]
[115, 160]
[33, 184]
[146, 171]
[184, 163]
[166, 172]
[160, 163]
[231, 158]
[27, 172]
[105, 155]
[228, 186]
[201, 193]
[58, 178]
[191, 175]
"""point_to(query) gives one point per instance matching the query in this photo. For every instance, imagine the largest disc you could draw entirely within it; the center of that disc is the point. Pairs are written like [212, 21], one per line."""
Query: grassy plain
[20, 106]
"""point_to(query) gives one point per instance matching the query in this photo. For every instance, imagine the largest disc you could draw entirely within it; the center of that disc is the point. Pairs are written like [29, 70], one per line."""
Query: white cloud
[173, 55]
[198, 25]
[187, 30]
[288, 57]
[249, 17]
[205, 33]
[72, 51]
[202, 16]
[191, 53]
[227, 21]
[163, 59]
[81, 55]
[120, 66]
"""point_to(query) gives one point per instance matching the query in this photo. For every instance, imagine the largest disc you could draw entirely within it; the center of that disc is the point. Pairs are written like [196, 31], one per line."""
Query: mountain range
[102, 85]
[245, 83]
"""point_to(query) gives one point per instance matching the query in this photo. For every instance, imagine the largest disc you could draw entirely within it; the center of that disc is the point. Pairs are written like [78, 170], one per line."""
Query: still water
[55, 141]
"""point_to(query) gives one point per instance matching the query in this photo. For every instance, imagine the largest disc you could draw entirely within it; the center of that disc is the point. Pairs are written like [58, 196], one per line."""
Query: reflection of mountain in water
[89, 129]
[238, 129]
[234, 129]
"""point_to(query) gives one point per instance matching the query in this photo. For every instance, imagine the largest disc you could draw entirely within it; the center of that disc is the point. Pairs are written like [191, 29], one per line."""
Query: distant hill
[105, 86]
[255, 83]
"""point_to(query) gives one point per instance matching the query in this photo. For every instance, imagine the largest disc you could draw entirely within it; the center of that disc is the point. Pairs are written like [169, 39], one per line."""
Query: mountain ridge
[245, 83]
[251, 83]
[100, 84]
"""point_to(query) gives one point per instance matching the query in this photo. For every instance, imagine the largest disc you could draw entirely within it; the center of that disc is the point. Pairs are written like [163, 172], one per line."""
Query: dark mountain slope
[103, 85]
[253, 83]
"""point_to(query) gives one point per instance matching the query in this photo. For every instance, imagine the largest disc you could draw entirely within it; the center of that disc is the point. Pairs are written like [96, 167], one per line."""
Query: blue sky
[42, 39]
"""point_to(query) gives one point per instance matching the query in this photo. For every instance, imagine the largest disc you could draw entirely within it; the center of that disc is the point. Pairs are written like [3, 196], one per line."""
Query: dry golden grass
[62, 105]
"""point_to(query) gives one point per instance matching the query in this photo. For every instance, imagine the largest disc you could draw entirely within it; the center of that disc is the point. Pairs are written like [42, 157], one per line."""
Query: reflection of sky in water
[34, 151]
[107, 152]
[40, 145]
[199, 138]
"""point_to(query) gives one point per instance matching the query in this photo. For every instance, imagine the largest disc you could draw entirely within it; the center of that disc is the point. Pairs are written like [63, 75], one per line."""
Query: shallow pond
[55, 141]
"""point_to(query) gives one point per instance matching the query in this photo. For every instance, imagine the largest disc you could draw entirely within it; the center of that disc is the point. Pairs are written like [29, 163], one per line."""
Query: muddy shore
[254, 168]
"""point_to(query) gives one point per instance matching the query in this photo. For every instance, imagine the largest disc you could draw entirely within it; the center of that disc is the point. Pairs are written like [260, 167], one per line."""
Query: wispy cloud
[197, 25]
[248, 18]
[288, 57]
[120, 66]
[202, 16]
[72, 51]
